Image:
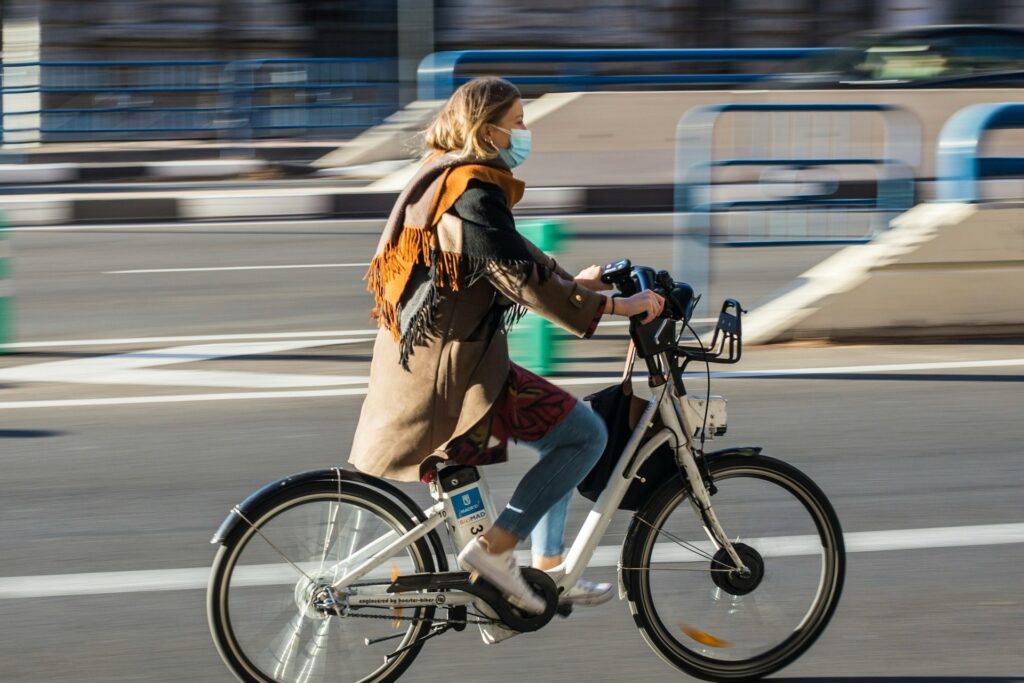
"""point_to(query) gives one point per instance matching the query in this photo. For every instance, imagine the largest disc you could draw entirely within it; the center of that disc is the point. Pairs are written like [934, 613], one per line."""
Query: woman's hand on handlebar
[646, 303]
[590, 278]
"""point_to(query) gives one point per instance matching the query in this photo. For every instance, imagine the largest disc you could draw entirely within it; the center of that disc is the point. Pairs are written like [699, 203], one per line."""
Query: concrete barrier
[627, 138]
[944, 269]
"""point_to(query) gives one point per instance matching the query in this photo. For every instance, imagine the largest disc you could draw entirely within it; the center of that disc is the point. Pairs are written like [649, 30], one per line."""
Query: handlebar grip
[641, 278]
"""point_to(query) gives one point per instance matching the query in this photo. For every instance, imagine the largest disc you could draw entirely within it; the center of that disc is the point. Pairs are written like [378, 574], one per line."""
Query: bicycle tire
[700, 653]
[220, 588]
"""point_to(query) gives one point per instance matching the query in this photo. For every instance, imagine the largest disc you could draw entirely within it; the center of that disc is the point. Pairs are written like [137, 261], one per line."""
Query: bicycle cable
[707, 398]
[687, 545]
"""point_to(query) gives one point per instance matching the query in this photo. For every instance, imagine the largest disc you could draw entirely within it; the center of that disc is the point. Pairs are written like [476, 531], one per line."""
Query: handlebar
[659, 336]
[629, 280]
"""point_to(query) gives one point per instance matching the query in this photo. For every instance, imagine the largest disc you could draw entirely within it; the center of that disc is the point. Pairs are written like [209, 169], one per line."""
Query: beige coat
[452, 382]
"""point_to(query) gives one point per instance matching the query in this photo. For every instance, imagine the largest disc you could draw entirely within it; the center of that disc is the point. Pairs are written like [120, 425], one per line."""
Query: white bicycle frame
[677, 431]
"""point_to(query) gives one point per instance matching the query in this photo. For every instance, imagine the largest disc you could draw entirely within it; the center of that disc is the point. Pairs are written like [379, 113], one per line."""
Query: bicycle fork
[700, 496]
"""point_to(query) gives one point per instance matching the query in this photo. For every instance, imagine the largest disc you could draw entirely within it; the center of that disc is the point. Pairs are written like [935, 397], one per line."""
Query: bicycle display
[732, 567]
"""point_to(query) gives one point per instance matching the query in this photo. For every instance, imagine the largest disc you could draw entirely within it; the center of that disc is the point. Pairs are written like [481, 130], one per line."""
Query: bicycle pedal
[457, 617]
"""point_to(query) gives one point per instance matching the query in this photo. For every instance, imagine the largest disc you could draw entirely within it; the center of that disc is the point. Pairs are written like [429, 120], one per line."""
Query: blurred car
[961, 56]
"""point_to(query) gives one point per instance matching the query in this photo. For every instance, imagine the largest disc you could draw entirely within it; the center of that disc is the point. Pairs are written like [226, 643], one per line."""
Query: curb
[27, 174]
[304, 203]
[81, 206]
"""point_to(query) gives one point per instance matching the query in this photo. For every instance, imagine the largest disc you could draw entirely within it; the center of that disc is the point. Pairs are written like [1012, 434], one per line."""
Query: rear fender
[336, 475]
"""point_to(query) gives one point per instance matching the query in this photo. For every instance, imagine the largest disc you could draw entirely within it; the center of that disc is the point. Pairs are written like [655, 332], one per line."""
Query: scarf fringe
[414, 245]
[513, 315]
[422, 323]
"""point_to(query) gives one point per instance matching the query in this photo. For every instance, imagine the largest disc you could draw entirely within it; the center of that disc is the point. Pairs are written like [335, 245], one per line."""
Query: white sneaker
[587, 594]
[502, 571]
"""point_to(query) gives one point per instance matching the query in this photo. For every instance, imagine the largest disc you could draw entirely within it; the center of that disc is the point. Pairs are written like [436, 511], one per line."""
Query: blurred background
[190, 193]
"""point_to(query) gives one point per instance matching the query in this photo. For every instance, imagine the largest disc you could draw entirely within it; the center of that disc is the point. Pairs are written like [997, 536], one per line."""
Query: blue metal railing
[136, 100]
[437, 75]
[805, 148]
[958, 163]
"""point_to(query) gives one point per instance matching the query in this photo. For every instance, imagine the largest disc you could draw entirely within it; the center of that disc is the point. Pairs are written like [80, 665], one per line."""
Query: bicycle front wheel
[711, 621]
[267, 578]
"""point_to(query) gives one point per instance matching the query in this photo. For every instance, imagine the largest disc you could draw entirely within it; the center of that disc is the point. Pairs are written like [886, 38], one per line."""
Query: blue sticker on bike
[467, 503]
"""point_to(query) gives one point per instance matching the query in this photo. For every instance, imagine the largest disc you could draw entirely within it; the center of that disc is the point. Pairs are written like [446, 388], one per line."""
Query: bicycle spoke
[318, 648]
[274, 547]
[329, 532]
[674, 569]
[286, 653]
[687, 545]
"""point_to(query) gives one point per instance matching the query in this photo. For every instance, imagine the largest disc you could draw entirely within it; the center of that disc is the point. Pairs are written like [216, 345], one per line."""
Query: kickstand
[434, 632]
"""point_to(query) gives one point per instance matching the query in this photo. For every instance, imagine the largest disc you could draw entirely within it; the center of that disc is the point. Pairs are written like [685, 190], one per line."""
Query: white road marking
[261, 382]
[220, 379]
[133, 368]
[625, 323]
[180, 398]
[134, 341]
[199, 270]
[245, 225]
[859, 369]
[196, 578]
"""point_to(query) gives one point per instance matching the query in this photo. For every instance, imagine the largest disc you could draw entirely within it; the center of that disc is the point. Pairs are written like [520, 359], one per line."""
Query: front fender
[746, 451]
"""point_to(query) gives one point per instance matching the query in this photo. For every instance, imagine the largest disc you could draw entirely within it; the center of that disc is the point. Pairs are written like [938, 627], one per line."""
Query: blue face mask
[519, 146]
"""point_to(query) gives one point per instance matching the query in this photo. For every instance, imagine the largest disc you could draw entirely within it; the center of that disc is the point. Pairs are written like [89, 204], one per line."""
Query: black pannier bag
[621, 411]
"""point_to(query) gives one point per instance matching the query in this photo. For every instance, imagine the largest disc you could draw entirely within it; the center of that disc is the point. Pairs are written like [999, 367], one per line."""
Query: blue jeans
[567, 454]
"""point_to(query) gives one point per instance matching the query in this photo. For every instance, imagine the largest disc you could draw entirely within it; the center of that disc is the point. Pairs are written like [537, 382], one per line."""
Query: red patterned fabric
[527, 411]
[530, 407]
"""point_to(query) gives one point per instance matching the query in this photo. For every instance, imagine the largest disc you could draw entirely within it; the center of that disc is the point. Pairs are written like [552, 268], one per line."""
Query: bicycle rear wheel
[266, 577]
[715, 623]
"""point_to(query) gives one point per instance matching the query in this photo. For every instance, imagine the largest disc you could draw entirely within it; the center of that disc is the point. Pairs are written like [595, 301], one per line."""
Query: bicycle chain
[436, 621]
[350, 615]
[391, 617]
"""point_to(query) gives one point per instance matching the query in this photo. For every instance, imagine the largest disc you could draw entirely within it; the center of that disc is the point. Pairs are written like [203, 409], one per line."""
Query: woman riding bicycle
[449, 274]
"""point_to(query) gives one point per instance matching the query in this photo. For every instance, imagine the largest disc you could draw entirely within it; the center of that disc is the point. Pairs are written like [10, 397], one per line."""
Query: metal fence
[788, 174]
[959, 162]
[439, 73]
[145, 100]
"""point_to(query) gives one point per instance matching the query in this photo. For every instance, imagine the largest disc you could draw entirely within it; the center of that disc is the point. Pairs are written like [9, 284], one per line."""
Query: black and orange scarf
[410, 241]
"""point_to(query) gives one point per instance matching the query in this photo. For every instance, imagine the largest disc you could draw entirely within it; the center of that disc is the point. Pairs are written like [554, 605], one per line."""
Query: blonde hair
[457, 128]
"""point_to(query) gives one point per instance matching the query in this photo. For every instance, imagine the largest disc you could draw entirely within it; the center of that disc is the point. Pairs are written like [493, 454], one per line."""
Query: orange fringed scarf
[410, 238]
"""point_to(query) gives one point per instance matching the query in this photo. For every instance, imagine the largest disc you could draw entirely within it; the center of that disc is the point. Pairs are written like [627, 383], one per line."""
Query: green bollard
[6, 287]
[533, 342]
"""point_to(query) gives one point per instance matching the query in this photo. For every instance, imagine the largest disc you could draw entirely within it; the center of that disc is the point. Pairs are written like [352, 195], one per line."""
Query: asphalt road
[129, 464]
